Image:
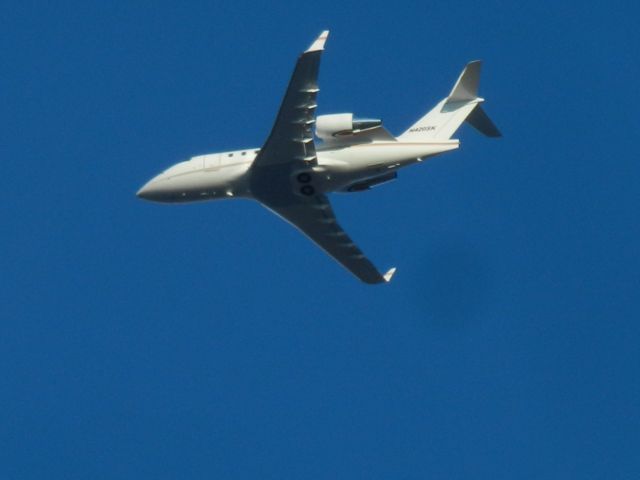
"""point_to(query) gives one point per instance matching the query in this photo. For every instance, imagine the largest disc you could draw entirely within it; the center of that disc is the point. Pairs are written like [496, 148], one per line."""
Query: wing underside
[290, 149]
[314, 217]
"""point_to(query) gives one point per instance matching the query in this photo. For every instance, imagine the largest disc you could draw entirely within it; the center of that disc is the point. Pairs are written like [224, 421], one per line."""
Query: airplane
[292, 174]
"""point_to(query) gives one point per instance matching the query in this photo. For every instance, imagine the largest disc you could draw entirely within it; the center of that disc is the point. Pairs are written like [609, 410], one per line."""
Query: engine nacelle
[328, 127]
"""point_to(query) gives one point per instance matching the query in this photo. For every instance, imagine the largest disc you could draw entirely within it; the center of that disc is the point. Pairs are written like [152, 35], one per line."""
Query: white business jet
[291, 174]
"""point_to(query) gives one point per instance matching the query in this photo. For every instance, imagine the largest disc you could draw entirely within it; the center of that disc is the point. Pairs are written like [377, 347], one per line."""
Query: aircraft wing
[290, 149]
[291, 138]
[314, 217]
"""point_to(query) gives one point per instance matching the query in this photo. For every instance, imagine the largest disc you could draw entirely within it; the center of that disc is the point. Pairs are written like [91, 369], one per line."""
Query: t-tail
[462, 104]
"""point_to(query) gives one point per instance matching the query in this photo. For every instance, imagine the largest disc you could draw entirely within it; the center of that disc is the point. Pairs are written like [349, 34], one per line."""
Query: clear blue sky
[213, 341]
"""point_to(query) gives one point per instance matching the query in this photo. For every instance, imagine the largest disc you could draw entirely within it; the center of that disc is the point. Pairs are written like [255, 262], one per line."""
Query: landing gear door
[212, 162]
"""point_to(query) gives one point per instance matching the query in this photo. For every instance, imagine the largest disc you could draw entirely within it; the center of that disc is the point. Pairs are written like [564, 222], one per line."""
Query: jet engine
[328, 127]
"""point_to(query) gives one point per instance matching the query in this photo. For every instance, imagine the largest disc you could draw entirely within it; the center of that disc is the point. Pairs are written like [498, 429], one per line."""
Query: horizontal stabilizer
[479, 120]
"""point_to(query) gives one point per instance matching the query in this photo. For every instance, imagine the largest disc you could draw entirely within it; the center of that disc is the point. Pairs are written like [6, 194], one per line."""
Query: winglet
[318, 44]
[387, 276]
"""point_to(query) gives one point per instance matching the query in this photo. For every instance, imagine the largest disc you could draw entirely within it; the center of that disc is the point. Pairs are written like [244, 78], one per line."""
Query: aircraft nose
[150, 190]
[145, 191]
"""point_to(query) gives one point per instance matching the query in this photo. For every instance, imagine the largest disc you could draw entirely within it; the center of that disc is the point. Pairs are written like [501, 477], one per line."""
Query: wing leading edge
[291, 138]
[288, 148]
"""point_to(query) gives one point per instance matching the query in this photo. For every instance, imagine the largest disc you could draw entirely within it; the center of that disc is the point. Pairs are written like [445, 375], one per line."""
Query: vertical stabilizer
[466, 88]
[462, 104]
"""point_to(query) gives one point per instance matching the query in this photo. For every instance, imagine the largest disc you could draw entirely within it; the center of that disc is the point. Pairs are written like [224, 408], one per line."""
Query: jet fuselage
[226, 175]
